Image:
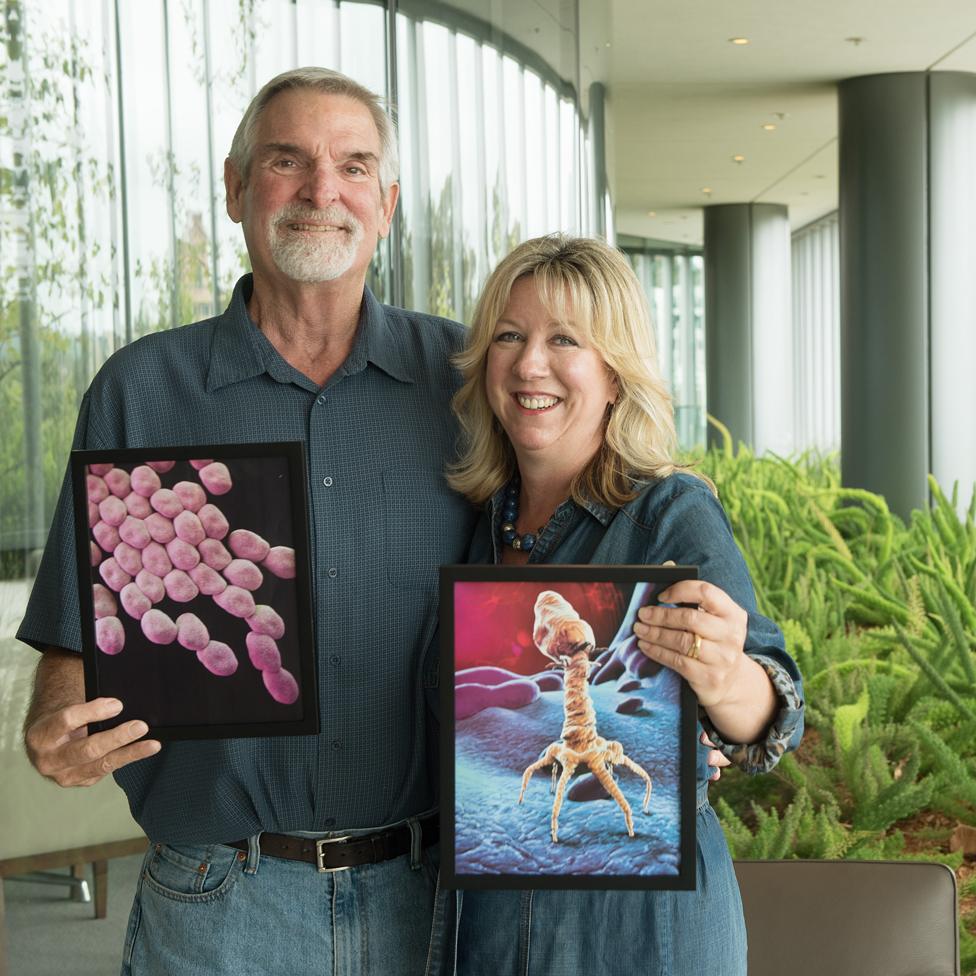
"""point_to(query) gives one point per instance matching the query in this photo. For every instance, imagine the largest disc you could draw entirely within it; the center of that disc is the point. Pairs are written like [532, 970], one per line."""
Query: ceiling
[682, 100]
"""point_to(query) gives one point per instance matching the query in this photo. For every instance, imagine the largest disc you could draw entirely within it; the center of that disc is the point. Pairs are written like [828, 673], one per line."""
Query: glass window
[118, 117]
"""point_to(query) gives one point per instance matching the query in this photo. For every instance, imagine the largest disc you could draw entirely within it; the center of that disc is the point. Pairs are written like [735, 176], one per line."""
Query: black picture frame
[186, 684]
[495, 725]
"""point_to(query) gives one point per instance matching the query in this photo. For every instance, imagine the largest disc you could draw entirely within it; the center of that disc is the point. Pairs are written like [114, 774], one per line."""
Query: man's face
[311, 206]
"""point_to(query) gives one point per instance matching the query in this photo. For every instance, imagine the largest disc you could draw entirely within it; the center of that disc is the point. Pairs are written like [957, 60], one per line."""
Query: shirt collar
[601, 513]
[240, 350]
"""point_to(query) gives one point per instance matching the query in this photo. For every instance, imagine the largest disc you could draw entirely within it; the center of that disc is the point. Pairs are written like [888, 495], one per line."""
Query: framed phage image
[194, 587]
[567, 756]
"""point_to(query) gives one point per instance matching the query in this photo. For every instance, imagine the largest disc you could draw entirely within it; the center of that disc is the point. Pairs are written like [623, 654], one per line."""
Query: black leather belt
[340, 853]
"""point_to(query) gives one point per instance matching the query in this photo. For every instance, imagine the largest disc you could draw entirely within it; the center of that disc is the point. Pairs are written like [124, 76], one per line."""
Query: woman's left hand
[704, 644]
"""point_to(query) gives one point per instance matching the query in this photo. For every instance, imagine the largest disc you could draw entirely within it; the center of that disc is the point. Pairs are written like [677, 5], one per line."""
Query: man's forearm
[58, 681]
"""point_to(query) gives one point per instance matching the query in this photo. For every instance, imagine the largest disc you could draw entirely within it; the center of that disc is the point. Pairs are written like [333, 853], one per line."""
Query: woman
[570, 448]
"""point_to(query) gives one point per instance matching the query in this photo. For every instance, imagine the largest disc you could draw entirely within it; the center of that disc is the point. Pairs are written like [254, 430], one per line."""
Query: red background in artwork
[493, 621]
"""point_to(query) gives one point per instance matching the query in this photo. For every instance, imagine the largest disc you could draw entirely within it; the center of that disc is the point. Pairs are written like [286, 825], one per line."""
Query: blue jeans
[215, 911]
[606, 933]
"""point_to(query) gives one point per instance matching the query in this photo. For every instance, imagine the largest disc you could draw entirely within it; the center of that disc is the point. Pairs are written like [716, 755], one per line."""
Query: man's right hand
[56, 735]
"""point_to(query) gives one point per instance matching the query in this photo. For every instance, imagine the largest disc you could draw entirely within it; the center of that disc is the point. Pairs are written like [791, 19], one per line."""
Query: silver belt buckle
[320, 846]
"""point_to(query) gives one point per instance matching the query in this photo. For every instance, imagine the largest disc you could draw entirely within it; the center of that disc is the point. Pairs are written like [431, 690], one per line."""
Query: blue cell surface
[496, 835]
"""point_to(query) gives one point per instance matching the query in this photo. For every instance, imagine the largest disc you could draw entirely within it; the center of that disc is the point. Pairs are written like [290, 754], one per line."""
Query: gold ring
[695, 648]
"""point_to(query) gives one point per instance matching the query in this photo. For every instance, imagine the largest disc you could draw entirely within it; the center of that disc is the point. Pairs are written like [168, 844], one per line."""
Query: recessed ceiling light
[738, 158]
[769, 126]
[707, 190]
[651, 213]
[740, 41]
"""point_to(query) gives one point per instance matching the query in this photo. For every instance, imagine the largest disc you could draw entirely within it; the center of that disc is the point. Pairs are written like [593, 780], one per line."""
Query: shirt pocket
[426, 526]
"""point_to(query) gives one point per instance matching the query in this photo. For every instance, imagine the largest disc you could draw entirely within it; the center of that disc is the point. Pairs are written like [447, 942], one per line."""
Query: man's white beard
[319, 255]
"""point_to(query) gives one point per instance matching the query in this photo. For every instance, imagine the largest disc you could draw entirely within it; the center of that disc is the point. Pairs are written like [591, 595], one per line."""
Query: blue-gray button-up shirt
[378, 435]
[677, 519]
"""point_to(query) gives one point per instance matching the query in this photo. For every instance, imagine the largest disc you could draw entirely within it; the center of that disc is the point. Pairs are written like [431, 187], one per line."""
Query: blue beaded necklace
[510, 536]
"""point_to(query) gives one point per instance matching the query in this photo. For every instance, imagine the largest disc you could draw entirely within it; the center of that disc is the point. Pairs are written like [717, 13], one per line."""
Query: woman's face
[546, 385]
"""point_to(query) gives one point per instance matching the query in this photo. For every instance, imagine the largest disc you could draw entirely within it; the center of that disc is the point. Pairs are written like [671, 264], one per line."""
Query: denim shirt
[675, 518]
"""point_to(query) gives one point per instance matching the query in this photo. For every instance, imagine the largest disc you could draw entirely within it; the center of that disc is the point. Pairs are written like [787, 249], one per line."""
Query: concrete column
[748, 335]
[908, 295]
[598, 142]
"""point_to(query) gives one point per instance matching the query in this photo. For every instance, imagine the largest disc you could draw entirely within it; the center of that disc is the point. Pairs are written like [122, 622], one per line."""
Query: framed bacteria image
[194, 588]
[567, 756]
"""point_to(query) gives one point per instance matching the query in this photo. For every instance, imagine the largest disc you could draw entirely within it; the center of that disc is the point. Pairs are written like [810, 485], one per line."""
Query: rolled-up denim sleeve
[694, 529]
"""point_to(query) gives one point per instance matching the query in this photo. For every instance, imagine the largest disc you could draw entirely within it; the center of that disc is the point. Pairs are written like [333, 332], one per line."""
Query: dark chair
[850, 918]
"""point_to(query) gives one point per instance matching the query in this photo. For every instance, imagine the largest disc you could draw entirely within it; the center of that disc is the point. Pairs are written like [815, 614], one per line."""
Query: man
[303, 352]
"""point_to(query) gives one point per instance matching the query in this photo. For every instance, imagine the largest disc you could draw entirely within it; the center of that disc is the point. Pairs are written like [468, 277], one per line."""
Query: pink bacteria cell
[103, 602]
[208, 580]
[263, 652]
[93, 516]
[214, 554]
[117, 482]
[161, 467]
[113, 574]
[107, 536]
[150, 584]
[134, 532]
[160, 528]
[109, 635]
[166, 502]
[94, 554]
[128, 558]
[191, 495]
[280, 561]
[156, 559]
[188, 528]
[266, 620]
[236, 601]
[182, 554]
[97, 489]
[214, 522]
[179, 587]
[134, 601]
[281, 685]
[216, 478]
[158, 627]
[243, 573]
[145, 481]
[198, 465]
[100, 469]
[218, 659]
[248, 545]
[112, 510]
[191, 632]
[137, 506]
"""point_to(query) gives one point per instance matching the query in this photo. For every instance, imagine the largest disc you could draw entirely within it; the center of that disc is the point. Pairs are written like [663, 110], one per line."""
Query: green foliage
[880, 615]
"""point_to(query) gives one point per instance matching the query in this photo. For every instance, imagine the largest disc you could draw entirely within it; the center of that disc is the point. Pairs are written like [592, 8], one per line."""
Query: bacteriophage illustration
[151, 541]
[568, 641]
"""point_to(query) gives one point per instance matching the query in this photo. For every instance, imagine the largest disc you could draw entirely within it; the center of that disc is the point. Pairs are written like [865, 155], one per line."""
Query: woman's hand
[704, 644]
[716, 760]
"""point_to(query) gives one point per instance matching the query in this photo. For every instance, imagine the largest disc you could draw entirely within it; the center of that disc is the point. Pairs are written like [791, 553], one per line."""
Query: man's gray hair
[331, 83]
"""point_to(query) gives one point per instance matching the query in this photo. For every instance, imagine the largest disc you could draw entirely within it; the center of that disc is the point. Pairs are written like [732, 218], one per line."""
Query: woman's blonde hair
[591, 284]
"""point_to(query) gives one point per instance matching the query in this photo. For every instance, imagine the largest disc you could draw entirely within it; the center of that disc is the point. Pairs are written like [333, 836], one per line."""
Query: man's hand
[55, 734]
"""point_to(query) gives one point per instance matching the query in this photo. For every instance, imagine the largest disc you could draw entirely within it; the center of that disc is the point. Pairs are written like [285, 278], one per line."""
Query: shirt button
[336, 744]
[321, 399]
[327, 482]
[333, 572]
[328, 822]
[335, 659]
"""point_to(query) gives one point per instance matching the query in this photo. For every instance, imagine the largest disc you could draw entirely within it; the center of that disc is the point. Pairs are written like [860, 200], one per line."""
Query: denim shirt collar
[240, 350]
